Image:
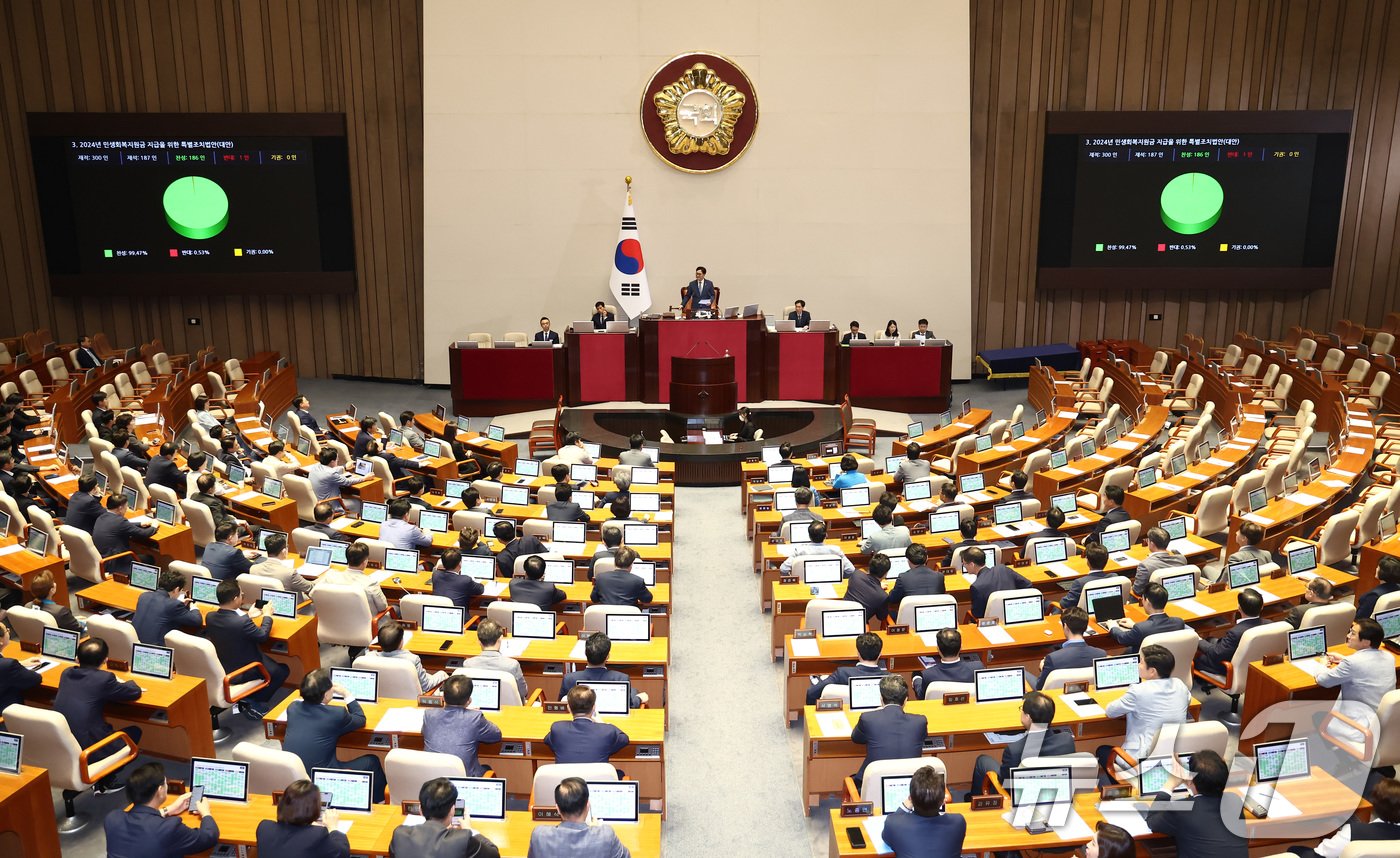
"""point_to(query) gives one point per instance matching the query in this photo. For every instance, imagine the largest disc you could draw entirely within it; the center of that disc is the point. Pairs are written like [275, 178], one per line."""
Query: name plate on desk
[411, 807]
[556, 707]
[410, 625]
[270, 729]
[1280, 572]
[121, 578]
[986, 622]
[1218, 587]
[118, 665]
[902, 629]
[431, 701]
[1076, 688]
[545, 814]
[788, 579]
[1115, 792]
[849, 537]
[851, 809]
[830, 704]
[988, 802]
[797, 635]
[29, 646]
[953, 698]
[1273, 658]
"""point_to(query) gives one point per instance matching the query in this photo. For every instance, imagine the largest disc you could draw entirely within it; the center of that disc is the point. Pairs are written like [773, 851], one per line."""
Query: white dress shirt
[819, 549]
[1147, 706]
[1365, 677]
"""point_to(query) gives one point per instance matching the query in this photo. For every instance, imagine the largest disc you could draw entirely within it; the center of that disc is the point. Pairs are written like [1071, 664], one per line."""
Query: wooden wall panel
[1030, 56]
[357, 57]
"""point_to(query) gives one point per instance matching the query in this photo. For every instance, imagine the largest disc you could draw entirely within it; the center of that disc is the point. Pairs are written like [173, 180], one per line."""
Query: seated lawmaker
[634, 455]
[619, 586]
[449, 581]
[238, 635]
[816, 533]
[1096, 558]
[314, 727]
[544, 334]
[799, 314]
[951, 665]
[914, 467]
[148, 828]
[584, 739]
[923, 333]
[576, 834]
[1037, 740]
[888, 536]
[563, 507]
[1075, 652]
[391, 640]
[440, 833]
[533, 589]
[1213, 653]
[853, 334]
[1384, 824]
[83, 694]
[988, 580]
[302, 826]
[917, 580]
[889, 733]
[920, 827]
[850, 475]
[597, 649]
[1131, 634]
[1202, 828]
[601, 316]
[457, 728]
[164, 609]
[867, 589]
[868, 646]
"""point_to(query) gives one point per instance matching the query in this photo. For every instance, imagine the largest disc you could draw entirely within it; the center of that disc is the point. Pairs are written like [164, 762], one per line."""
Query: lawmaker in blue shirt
[399, 533]
[148, 830]
[850, 475]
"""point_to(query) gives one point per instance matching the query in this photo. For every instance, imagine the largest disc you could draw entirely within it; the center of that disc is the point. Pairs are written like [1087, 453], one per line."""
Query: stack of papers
[920, 505]
[1061, 569]
[1311, 666]
[1084, 710]
[1269, 598]
[66, 478]
[514, 647]
[996, 634]
[1305, 499]
[834, 723]
[243, 497]
[1126, 817]
[1122, 445]
[875, 834]
[1193, 606]
[11, 549]
[401, 719]
[1258, 519]
[806, 648]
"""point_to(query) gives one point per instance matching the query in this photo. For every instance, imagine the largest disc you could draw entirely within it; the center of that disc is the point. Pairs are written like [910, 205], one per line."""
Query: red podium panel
[900, 378]
[502, 381]
[602, 368]
[663, 339]
[805, 367]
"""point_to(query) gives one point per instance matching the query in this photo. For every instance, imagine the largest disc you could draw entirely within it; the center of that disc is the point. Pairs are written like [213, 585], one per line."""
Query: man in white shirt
[326, 479]
[816, 531]
[573, 452]
[489, 632]
[277, 567]
[1364, 677]
[398, 532]
[1158, 699]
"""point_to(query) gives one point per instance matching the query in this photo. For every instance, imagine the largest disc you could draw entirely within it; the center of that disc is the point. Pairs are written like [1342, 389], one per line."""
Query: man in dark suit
[205, 495]
[238, 640]
[458, 728]
[324, 513]
[1096, 557]
[544, 334]
[699, 293]
[919, 828]
[512, 547]
[164, 609]
[438, 836]
[83, 691]
[101, 414]
[148, 829]
[1038, 740]
[87, 355]
[7, 472]
[124, 449]
[1018, 488]
[1212, 653]
[1074, 652]
[533, 589]
[1388, 573]
[951, 666]
[563, 508]
[84, 506]
[596, 649]
[1202, 829]
[449, 581]
[364, 437]
[612, 540]
[162, 470]
[868, 648]
[16, 677]
[601, 316]
[1113, 513]
[1054, 520]
[799, 314]
[889, 733]
[223, 558]
[989, 580]
[867, 589]
[619, 586]
[917, 580]
[314, 727]
[584, 739]
[1318, 594]
[853, 334]
[301, 406]
[112, 534]
[1131, 634]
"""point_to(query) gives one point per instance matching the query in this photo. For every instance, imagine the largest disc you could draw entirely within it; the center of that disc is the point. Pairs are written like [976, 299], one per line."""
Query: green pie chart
[195, 207]
[1191, 203]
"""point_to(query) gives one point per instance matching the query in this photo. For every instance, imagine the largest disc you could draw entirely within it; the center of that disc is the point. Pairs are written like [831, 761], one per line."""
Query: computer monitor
[1178, 464]
[335, 547]
[401, 559]
[821, 570]
[272, 488]
[931, 618]
[559, 571]
[1050, 551]
[303, 446]
[798, 531]
[942, 522]
[644, 569]
[59, 643]
[628, 627]
[982, 443]
[236, 474]
[1058, 459]
[1105, 603]
[433, 521]
[1111, 436]
[1276, 761]
[1306, 643]
[1018, 430]
[614, 697]
[843, 623]
[203, 590]
[769, 454]
[492, 521]
[101, 482]
[444, 619]
[144, 576]
[527, 467]
[855, 496]
[1086, 448]
[364, 467]
[640, 534]
[1023, 609]
[966, 407]
[433, 448]
[373, 512]
[515, 495]
[1154, 772]
[1041, 787]
[1115, 540]
[440, 411]
[264, 533]
[1064, 502]
[1116, 671]
[495, 433]
[915, 429]
[1007, 513]
[533, 625]
[129, 492]
[999, 683]
[454, 488]
[865, 693]
[480, 798]
[464, 424]
[344, 789]
[1245, 573]
[1390, 623]
[150, 660]
[37, 541]
[894, 790]
[780, 474]
[1146, 477]
[654, 453]
[486, 694]
[4, 523]
[641, 501]
[570, 531]
[224, 780]
[918, 490]
[785, 501]
[1258, 499]
[972, 483]
[1181, 586]
[282, 602]
[1175, 527]
[614, 801]
[1040, 417]
[363, 685]
[1302, 559]
[11, 752]
[478, 567]
[588, 500]
[395, 437]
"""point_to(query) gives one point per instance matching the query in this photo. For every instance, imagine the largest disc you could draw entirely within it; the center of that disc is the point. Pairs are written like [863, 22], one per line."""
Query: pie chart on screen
[195, 207]
[1191, 203]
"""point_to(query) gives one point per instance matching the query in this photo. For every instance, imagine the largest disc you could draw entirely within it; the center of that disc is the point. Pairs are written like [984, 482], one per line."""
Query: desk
[27, 825]
[1087, 473]
[802, 365]
[899, 378]
[603, 368]
[663, 339]
[570, 611]
[1281, 682]
[25, 565]
[935, 441]
[478, 444]
[537, 378]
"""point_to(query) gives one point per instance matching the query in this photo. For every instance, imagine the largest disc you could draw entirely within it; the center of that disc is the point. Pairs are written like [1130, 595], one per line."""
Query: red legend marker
[1161, 248]
[174, 252]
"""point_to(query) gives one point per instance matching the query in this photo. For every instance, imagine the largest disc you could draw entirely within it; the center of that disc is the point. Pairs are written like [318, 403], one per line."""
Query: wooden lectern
[703, 384]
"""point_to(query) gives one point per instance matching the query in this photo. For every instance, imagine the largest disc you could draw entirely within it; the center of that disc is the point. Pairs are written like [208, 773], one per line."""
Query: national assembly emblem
[699, 112]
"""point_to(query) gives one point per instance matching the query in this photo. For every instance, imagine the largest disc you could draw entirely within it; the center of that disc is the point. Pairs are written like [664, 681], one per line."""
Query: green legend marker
[196, 207]
[1191, 203]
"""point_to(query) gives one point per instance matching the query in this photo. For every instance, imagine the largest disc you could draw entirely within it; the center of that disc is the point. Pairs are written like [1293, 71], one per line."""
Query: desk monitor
[272, 488]
[557, 571]
[750, 311]
[1146, 477]
[395, 437]
[915, 429]
[999, 683]
[595, 451]
[918, 490]
[932, 618]
[628, 627]
[614, 697]
[868, 528]
[1040, 787]
[1039, 417]
[821, 570]
[1064, 502]
[364, 467]
[444, 619]
[527, 467]
[1276, 761]
[1175, 527]
[480, 798]
[966, 407]
[1116, 671]
[432, 448]
[843, 623]
[780, 473]
[1018, 430]
[642, 501]
[614, 801]
[894, 789]
[101, 482]
[495, 433]
[570, 531]
[1154, 772]
[282, 602]
[1007, 513]
[1306, 643]
[401, 559]
[1058, 459]
[1050, 551]
[58, 643]
[440, 412]
[335, 547]
[585, 473]
[490, 525]
[4, 523]
[515, 495]
[265, 533]
[899, 564]
[373, 512]
[1302, 559]
[643, 475]
[972, 483]
[144, 575]
[363, 685]
[478, 568]
[11, 752]
[1105, 603]
[1390, 623]
[344, 789]
[1258, 499]
[1177, 464]
[236, 474]
[1115, 540]
[1086, 448]
[982, 443]
[855, 496]
[150, 660]
[865, 692]
[533, 625]
[37, 541]
[769, 455]
[589, 500]
[892, 463]
[644, 569]
[1111, 436]
[1244, 574]
[433, 521]
[942, 522]
[1180, 586]
[1023, 609]
[129, 492]
[797, 532]
[203, 590]
[464, 424]
[639, 534]
[225, 780]
[303, 446]
[486, 693]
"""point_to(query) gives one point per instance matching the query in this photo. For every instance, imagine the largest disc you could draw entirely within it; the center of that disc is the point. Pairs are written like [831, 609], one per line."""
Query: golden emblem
[699, 112]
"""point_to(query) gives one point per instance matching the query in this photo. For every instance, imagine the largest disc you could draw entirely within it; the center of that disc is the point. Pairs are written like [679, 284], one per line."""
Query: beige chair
[195, 656]
[1370, 397]
[871, 787]
[40, 519]
[996, 602]
[502, 612]
[201, 521]
[510, 691]
[1262, 640]
[936, 690]
[1190, 738]
[83, 560]
[465, 518]
[398, 679]
[1183, 400]
[595, 617]
[1084, 768]
[411, 606]
[490, 491]
[1337, 619]
[1132, 525]
[1120, 477]
[538, 528]
[1333, 542]
[298, 488]
[269, 769]
[549, 776]
[515, 337]
[189, 571]
[1170, 571]
[304, 538]
[251, 586]
[1381, 344]
[812, 617]
[376, 547]
[165, 493]
[1089, 402]
[30, 623]
[131, 477]
[1182, 644]
[1055, 680]
[407, 770]
[119, 635]
[49, 744]
[483, 340]
[909, 606]
[343, 615]
[962, 447]
[342, 454]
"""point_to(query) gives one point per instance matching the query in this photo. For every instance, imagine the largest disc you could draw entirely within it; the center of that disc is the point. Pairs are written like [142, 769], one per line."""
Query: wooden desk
[898, 378]
[27, 825]
[602, 368]
[25, 565]
[1278, 683]
[1086, 474]
[1013, 454]
[936, 442]
[502, 451]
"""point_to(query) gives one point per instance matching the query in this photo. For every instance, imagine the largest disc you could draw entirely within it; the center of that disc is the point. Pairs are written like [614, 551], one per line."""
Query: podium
[704, 386]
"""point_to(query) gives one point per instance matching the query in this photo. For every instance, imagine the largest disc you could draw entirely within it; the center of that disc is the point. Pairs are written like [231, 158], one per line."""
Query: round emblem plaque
[699, 112]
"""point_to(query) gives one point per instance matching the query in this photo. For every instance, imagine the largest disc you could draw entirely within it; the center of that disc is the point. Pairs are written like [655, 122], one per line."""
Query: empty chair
[1185, 399]
[407, 770]
[30, 623]
[201, 521]
[49, 744]
[298, 488]
[343, 615]
[1267, 639]
[1055, 680]
[411, 606]
[119, 635]
[1212, 515]
[398, 679]
[909, 606]
[1182, 644]
[1333, 541]
[83, 560]
[1332, 361]
[251, 586]
[269, 769]
[1336, 619]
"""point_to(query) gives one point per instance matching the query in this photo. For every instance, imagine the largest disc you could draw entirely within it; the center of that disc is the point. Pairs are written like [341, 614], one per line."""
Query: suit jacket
[912, 470]
[1054, 742]
[994, 579]
[83, 510]
[635, 458]
[913, 836]
[285, 574]
[327, 531]
[547, 337]
[863, 588]
[597, 674]
[61, 614]
[576, 840]
[157, 615]
[461, 589]
[916, 581]
[362, 441]
[1214, 652]
[889, 733]
[112, 534]
[841, 676]
[505, 560]
[434, 840]
[15, 679]
[494, 659]
[308, 841]
[1113, 516]
[1154, 562]
[225, 562]
[619, 587]
[1201, 830]
[327, 481]
[1076, 588]
[357, 578]
[458, 731]
[314, 728]
[236, 639]
[803, 318]
[848, 336]
[82, 693]
[581, 740]
[600, 320]
[700, 292]
[1069, 655]
[143, 833]
[131, 459]
[964, 670]
[886, 538]
[88, 359]
[1132, 638]
[559, 511]
[1017, 495]
[308, 420]
[400, 534]
[161, 471]
[541, 594]
[216, 506]
[1366, 604]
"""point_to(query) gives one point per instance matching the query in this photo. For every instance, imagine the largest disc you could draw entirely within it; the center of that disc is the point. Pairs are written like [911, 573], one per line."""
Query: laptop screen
[344, 789]
[1175, 527]
[643, 501]
[614, 801]
[1040, 786]
[480, 798]
[628, 627]
[644, 569]
[148, 660]
[1146, 477]
[785, 501]
[1178, 464]
[770, 455]
[37, 541]
[1182, 586]
[1051, 551]
[1244, 573]
[1023, 609]
[843, 623]
[1018, 430]
[320, 555]
[236, 474]
[226, 780]
[1115, 540]
[10, 752]
[559, 571]
[931, 618]
[1007, 513]
[865, 693]
[515, 495]
[1105, 603]
[58, 643]
[1274, 761]
[444, 619]
[401, 559]
[535, 625]
[131, 497]
[855, 496]
[639, 534]
[1302, 559]
[971, 483]
[1002, 683]
[165, 512]
[894, 789]
[464, 424]
[1064, 502]
[373, 512]
[432, 448]
[588, 500]
[282, 602]
[1118, 671]
[480, 568]
[204, 590]
[1258, 499]
[918, 490]
[486, 694]
[915, 429]
[570, 531]
[144, 576]
[362, 684]
[613, 697]
[432, 521]
[527, 467]
[942, 522]
[821, 570]
[1306, 643]
[454, 488]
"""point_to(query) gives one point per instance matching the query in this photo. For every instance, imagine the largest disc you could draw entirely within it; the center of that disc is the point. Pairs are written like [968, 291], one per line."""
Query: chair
[1186, 398]
[119, 635]
[49, 744]
[83, 559]
[1267, 639]
[515, 337]
[812, 616]
[298, 488]
[30, 623]
[945, 464]
[909, 606]
[936, 690]
[482, 340]
[1182, 644]
[397, 679]
[1132, 525]
[1333, 541]
[490, 491]
[343, 616]
[1094, 402]
[510, 692]
[548, 776]
[407, 770]
[538, 528]
[251, 586]
[132, 477]
[107, 464]
[1084, 767]
[502, 612]
[1372, 397]
[1212, 515]
[195, 656]
[411, 606]
[1055, 680]
[1336, 619]
[40, 519]
[465, 518]
[595, 617]
[871, 785]
[1332, 361]
[856, 433]
[201, 520]
[189, 571]
[269, 769]
[376, 548]
[1121, 477]
[58, 370]
[996, 602]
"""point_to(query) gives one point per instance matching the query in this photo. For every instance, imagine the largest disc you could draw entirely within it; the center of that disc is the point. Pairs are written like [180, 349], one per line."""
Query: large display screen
[156, 202]
[1192, 200]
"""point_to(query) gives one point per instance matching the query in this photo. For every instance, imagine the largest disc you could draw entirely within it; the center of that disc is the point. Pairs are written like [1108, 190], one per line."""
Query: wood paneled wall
[1030, 56]
[357, 57]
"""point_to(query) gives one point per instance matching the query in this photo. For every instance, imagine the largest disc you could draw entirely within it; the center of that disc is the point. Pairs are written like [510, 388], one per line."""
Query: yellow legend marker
[1224, 247]
[238, 251]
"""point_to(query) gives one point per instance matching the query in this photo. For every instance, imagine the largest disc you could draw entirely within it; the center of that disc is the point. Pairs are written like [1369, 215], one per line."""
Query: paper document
[1002, 738]
[11, 549]
[343, 826]
[1073, 472]
[493, 588]
[382, 575]
[66, 478]
[805, 648]
[711, 436]
[977, 497]
[920, 505]
[1193, 606]
[343, 523]
[1084, 710]
[1305, 499]
[1122, 445]
[1067, 415]
[875, 834]
[1138, 436]
[847, 512]
[577, 654]
[1218, 462]
[833, 723]
[1278, 804]
[1258, 519]
[40, 448]
[996, 634]
[1334, 484]
[244, 497]
[1311, 666]
[930, 639]
[1269, 598]
[400, 719]
[1061, 569]
[1127, 818]
[514, 647]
